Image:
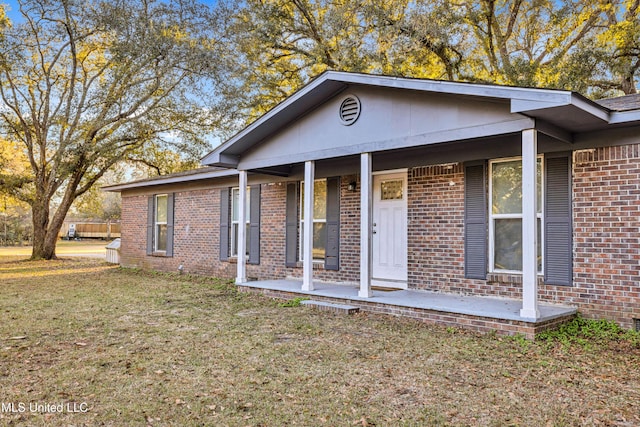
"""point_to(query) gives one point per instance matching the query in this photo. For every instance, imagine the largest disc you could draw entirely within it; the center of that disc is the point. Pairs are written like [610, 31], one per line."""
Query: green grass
[87, 247]
[161, 349]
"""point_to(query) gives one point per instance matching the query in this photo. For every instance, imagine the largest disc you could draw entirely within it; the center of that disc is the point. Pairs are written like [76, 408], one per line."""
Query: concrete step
[331, 306]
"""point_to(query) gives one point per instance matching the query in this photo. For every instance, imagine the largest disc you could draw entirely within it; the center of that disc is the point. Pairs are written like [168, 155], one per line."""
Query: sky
[12, 9]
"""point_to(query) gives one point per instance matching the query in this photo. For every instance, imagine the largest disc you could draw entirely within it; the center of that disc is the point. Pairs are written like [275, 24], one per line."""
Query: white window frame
[315, 221]
[236, 221]
[493, 217]
[157, 223]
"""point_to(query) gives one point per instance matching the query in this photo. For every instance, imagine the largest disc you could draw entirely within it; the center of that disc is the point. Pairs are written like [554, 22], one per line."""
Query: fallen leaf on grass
[21, 337]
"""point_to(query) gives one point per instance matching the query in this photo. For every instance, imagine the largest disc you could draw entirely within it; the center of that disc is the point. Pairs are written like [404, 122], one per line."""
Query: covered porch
[479, 313]
[371, 127]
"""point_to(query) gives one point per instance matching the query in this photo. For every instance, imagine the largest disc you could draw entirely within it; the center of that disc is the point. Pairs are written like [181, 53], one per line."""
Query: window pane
[247, 228]
[508, 244]
[539, 187]
[507, 187]
[235, 197]
[161, 237]
[319, 240]
[161, 208]
[235, 204]
[391, 190]
[234, 239]
[539, 245]
[506, 180]
[319, 199]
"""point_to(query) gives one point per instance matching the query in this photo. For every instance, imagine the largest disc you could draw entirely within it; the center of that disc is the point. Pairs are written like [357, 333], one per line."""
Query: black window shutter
[151, 203]
[291, 239]
[332, 253]
[557, 220]
[254, 224]
[170, 215]
[224, 224]
[475, 221]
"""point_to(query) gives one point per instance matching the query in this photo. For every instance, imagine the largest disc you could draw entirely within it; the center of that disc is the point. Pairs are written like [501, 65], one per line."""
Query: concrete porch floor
[472, 312]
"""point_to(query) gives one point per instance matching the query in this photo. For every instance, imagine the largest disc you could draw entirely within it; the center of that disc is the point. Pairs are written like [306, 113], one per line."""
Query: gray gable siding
[389, 119]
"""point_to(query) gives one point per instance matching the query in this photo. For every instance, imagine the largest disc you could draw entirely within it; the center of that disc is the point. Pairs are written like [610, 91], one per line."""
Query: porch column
[307, 237]
[529, 225]
[241, 275]
[366, 219]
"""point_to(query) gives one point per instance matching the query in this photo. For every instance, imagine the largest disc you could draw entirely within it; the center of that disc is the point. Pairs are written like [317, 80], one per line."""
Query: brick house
[484, 206]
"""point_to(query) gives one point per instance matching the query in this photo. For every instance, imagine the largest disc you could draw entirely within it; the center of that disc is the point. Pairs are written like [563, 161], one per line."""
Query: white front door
[390, 230]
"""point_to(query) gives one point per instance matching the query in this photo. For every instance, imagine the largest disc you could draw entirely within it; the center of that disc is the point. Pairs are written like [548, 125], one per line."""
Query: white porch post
[529, 225]
[366, 219]
[241, 275]
[307, 247]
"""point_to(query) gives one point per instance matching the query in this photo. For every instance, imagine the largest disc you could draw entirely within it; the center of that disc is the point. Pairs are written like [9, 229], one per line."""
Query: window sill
[161, 254]
[317, 265]
[510, 277]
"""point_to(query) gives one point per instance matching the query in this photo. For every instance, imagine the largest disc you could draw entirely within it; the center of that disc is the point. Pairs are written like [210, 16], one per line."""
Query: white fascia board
[453, 88]
[526, 105]
[170, 180]
[519, 105]
[619, 117]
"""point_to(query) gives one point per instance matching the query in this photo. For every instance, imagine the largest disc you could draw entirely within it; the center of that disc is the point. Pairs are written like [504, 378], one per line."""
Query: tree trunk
[45, 231]
[40, 215]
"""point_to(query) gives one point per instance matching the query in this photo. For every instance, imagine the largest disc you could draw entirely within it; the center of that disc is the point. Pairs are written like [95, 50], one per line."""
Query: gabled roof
[566, 110]
[622, 103]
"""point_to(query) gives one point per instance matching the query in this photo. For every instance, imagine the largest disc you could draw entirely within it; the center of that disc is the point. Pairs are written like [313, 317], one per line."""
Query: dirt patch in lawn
[136, 348]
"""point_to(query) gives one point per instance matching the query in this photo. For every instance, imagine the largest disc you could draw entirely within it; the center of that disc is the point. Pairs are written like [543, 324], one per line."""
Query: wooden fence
[93, 230]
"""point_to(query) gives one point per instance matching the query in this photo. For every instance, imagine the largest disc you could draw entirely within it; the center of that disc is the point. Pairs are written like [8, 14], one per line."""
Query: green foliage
[296, 302]
[584, 332]
[280, 45]
[85, 85]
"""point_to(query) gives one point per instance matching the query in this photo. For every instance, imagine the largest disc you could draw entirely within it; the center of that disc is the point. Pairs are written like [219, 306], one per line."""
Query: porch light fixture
[349, 110]
[352, 186]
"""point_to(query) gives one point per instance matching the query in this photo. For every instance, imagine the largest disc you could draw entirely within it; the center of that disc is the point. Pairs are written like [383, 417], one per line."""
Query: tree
[87, 84]
[591, 46]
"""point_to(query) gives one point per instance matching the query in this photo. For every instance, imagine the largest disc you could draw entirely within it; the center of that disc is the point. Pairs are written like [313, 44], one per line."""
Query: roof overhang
[565, 112]
[171, 179]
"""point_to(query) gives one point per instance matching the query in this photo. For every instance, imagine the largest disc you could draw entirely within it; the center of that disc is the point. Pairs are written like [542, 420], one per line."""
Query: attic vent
[349, 110]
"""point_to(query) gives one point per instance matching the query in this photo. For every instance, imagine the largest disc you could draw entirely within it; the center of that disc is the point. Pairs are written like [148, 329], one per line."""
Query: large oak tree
[87, 84]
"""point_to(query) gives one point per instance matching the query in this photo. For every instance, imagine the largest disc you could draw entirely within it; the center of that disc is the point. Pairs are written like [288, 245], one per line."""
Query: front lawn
[124, 347]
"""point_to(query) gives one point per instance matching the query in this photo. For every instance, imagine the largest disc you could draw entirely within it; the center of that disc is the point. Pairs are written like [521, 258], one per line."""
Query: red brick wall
[196, 234]
[436, 229]
[197, 229]
[606, 222]
[349, 239]
[606, 210]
